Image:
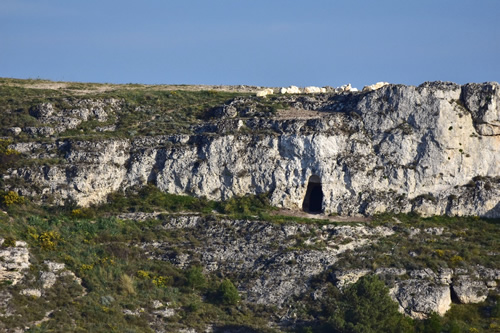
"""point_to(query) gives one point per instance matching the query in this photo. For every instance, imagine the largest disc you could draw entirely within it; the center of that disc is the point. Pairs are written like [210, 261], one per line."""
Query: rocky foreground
[284, 267]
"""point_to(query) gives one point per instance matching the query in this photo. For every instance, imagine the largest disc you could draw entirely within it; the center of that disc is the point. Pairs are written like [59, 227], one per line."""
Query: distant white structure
[345, 88]
[290, 90]
[375, 86]
[314, 90]
[265, 92]
[309, 90]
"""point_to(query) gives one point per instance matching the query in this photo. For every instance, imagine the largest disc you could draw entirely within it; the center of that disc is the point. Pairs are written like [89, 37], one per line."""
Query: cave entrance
[313, 201]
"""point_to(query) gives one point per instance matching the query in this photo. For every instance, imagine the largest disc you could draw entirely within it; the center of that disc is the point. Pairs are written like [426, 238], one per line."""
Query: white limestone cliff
[433, 149]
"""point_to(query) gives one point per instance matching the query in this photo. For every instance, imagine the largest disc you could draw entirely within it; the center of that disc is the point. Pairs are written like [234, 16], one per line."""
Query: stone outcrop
[70, 115]
[468, 290]
[314, 90]
[418, 298]
[344, 278]
[432, 149]
[14, 261]
[264, 92]
[425, 291]
[482, 100]
[290, 90]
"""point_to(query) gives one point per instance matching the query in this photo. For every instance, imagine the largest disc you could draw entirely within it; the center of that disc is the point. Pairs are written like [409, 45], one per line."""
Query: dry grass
[81, 88]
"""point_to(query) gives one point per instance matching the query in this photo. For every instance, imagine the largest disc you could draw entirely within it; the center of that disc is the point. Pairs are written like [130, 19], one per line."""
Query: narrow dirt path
[297, 213]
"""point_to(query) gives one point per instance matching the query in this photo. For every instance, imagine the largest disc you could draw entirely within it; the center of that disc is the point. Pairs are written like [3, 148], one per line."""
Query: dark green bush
[366, 307]
[227, 293]
[195, 278]
[246, 206]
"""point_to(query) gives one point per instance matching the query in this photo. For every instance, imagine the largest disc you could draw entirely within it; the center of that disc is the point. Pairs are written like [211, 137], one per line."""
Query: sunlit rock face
[431, 149]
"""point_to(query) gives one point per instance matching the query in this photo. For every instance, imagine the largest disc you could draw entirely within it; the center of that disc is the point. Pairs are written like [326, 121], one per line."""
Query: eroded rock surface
[14, 261]
[469, 290]
[273, 262]
[419, 298]
[432, 149]
[424, 291]
[71, 114]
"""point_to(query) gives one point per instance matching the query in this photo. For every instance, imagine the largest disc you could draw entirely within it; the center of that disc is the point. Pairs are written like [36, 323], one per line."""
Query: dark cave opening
[313, 201]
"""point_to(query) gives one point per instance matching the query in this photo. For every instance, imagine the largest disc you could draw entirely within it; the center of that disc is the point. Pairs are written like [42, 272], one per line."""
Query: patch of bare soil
[298, 213]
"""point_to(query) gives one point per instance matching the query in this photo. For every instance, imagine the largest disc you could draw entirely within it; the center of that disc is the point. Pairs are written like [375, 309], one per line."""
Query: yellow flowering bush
[456, 259]
[142, 274]
[5, 150]
[12, 198]
[86, 267]
[106, 261]
[48, 240]
[161, 281]
[76, 212]
[440, 253]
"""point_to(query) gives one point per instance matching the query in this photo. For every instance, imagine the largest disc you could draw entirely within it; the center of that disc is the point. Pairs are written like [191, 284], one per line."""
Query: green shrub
[195, 278]
[8, 156]
[367, 307]
[245, 206]
[227, 293]
[433, 324]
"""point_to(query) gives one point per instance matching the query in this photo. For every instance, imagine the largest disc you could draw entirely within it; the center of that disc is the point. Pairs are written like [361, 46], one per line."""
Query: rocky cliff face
[432, 149]
[275, 264]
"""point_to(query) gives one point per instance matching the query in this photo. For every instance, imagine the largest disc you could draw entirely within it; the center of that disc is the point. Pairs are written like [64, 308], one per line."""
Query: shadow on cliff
[494, 213]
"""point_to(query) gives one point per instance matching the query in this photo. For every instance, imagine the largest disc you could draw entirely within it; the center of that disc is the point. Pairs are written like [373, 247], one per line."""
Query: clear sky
[254, 42]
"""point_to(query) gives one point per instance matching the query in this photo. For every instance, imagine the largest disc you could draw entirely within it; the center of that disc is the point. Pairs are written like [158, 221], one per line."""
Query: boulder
[42, 110]
[32, 292]
[420, 298]
[344, 88]
[47, 279]
[468, 290]
[15, 130]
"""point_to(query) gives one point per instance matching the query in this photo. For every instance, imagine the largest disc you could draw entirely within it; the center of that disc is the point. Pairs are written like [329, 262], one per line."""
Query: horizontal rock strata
[431, 149]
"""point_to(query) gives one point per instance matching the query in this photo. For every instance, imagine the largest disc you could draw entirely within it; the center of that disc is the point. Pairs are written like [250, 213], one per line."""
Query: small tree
[195, 278]
[367, 307]
[227, 292]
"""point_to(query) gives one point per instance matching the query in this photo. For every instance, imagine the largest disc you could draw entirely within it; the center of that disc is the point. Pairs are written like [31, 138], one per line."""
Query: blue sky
[268, 43]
